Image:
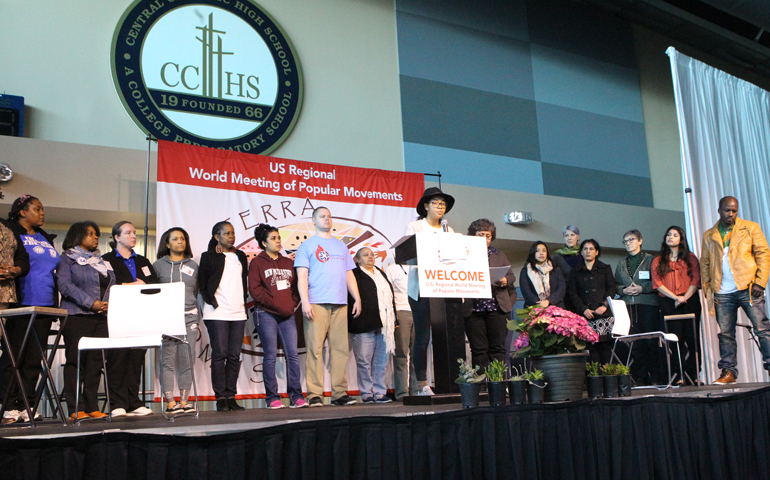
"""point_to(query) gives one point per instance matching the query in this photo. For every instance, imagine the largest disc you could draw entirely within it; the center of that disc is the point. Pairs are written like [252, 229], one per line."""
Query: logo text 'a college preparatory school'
[217, 73]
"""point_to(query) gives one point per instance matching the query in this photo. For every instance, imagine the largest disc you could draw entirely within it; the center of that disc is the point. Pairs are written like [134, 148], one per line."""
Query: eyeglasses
[629, 240]
[438, 204]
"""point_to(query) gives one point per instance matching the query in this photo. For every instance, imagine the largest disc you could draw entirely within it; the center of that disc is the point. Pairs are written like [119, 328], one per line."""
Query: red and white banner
[198, 186]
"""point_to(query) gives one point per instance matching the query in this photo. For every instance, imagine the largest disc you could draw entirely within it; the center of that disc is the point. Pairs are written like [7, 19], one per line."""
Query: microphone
[444, 225]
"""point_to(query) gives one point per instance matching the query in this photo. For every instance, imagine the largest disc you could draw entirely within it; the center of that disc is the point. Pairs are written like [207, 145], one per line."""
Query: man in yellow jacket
[734, 264]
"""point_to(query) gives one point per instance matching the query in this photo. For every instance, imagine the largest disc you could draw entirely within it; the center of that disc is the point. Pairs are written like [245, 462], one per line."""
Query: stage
[704, 432]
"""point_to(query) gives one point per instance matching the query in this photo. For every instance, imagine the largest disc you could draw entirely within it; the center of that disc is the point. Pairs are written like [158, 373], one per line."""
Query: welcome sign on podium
[452, 265]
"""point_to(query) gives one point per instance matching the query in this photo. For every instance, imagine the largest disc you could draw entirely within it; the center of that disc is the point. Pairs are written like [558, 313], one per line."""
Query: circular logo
[38, 249]
[207, 72]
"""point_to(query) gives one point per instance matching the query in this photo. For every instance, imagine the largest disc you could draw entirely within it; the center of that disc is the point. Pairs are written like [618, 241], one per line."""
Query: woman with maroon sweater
[273, 286]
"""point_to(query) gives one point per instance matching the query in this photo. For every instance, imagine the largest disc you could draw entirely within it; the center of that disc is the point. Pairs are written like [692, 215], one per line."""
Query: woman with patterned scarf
[84, 281]
[541, 282]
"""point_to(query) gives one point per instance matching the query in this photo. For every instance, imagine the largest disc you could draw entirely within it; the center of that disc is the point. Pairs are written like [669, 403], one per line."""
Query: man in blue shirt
[324, 277]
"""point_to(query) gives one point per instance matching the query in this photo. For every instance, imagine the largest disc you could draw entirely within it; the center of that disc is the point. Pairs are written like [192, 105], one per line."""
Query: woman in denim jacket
[84, 281]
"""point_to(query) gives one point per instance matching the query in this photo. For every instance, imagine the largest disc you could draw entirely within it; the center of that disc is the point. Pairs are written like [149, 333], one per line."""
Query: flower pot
[565, 375]
[595, 387]
[517, 391]
[624, 385]
[536, 390]
[610, 386]
[496, 393]
[469, 392]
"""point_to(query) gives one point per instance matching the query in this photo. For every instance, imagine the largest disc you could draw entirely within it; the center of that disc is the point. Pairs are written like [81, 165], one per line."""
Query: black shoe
[315, 402]
[222, 406]
[234, 405]
[343, 400]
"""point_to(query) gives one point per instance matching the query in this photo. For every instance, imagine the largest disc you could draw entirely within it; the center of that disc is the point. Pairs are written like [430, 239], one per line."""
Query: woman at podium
[431, 209]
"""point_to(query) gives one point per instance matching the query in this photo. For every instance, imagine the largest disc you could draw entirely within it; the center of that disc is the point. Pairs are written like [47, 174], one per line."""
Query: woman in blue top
[36, 289]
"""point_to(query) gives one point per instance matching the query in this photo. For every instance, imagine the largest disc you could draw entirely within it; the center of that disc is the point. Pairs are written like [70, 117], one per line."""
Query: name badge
[282, 284]
[644, 275]
[187, 270]
[146, 271]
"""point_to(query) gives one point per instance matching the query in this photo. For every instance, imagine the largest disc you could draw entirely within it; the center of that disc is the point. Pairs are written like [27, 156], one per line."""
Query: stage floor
[221, 423]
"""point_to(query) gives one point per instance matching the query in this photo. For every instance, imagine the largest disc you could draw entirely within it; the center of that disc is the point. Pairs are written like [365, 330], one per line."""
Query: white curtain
[724, 128]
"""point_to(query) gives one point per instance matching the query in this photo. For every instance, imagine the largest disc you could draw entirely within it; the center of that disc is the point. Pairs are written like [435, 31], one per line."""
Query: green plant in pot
[537, 384]
[517, 387]
[610, 375]
[594, 382]
[470, 383]
[496, 383]
[555, 340]
[624, 381]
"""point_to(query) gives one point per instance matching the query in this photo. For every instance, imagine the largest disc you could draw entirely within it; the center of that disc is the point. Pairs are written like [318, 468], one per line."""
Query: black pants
[29, 364]
[226, 338]
[649, 358]
[486, 333]
[421, 320]
[124, 374]
[79, 326]
[689, 340]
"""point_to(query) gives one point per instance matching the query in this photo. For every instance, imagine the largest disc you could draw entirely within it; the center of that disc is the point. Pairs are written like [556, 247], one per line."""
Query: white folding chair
[141, 316]
[622, 326]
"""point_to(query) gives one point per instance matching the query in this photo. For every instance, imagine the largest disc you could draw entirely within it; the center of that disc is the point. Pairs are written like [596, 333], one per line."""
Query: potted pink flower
[555, 340]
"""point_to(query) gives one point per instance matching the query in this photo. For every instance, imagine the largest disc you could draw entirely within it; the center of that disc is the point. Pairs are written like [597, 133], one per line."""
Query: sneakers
[11, 416]
[187, 407]
[97, 414]
[140, 412]
[233, 405]
[222, 405]
[366, 400]
[118, 412]
[426, 391]
[174, 410]
[276, 404]
[77, 416]
[301, 403]
[24, 416]
[383, 399]
[343, 400]
[316, 402]
[727, 377]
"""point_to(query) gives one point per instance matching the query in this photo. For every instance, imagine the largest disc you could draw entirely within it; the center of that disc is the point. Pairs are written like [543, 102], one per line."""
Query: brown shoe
[97, 414]
[79, 416]
[726, 378]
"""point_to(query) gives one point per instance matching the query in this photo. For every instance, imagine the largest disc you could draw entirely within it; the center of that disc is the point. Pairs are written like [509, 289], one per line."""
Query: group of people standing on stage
[354, 304]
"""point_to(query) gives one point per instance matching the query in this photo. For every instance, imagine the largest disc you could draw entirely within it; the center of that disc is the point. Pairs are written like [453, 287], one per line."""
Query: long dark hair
[164, 251]
[531, 260]
[21, 203]
[664, 268]
[216, 230]
[116, 231]
[261, 232]
[77, 232]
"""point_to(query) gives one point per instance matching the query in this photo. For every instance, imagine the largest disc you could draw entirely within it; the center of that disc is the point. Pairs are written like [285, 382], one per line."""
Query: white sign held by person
[452, 265]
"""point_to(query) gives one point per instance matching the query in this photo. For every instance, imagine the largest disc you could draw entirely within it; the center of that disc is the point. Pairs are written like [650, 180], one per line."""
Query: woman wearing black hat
[432, 207]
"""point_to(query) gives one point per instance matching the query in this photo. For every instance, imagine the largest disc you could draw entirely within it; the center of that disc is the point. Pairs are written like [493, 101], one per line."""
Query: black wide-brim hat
[430, 193]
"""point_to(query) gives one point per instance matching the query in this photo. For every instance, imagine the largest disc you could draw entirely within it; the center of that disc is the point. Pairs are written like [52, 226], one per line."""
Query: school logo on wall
[216, 73]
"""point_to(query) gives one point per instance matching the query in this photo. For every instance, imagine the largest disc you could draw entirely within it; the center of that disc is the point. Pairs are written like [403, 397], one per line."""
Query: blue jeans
[727, 315]
[226, 338]
[371, 361]
[270, 327]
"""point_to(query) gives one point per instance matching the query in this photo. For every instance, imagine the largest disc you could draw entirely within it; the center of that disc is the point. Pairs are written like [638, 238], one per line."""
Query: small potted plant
[470, 383]
[610, 375]
[496, 383]
[537, 384]
[594, 380]
[624, 381]
[517, 387]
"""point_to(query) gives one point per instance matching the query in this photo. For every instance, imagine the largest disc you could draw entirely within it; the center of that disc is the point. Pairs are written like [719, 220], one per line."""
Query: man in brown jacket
[734, 264]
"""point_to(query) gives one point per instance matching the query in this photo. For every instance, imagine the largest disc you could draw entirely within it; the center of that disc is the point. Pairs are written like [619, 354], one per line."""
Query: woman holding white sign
[431, 209]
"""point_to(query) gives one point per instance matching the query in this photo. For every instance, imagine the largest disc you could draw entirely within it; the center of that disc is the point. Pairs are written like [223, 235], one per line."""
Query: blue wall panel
[574, 182]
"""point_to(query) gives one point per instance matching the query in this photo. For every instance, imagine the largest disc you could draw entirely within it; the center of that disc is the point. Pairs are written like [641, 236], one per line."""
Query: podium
[447, 326]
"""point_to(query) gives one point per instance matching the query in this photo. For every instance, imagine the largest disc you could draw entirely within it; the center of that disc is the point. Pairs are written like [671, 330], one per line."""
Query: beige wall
[57, 56]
